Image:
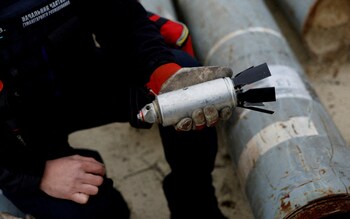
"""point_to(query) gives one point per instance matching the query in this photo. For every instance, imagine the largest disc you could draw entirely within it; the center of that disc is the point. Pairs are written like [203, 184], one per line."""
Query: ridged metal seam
[231, 36]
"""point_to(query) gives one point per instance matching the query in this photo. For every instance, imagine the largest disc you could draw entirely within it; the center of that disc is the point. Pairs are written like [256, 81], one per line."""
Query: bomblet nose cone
[148, 114]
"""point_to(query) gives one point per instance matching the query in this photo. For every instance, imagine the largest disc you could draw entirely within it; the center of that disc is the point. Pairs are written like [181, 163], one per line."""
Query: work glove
[171, 77]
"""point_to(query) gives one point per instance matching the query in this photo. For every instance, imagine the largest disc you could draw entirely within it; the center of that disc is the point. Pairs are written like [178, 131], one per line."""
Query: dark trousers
[188, 188]
[191, 156]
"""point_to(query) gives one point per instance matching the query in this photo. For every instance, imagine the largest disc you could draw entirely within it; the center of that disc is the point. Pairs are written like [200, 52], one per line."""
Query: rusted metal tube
[292, 164]
[323, 24]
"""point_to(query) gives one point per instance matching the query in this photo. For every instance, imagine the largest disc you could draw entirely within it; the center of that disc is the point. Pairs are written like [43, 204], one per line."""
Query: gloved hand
[171, 77]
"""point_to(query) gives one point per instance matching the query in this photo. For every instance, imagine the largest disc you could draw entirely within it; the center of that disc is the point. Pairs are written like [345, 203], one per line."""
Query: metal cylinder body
[323, 24]
[294, 163]
[173, 106]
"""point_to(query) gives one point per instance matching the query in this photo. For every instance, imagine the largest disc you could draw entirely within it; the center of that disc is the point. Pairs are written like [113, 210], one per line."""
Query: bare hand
[74, 178]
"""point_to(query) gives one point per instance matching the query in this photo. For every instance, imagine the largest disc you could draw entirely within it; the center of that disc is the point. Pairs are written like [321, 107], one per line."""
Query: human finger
[211, 115]
[84, 158]
[198, 119]
[184, 124]
[92, 179]
[88, 189]
[94, 168]
[225, 113]
[80, 198]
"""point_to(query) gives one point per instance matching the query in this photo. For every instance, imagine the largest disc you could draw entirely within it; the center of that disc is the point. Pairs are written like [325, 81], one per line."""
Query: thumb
[80, 198]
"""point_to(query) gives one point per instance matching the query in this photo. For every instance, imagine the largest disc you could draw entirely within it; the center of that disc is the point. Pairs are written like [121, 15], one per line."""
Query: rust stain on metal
[311, 16]
[324, 207]
[285, 204]
[328, 191]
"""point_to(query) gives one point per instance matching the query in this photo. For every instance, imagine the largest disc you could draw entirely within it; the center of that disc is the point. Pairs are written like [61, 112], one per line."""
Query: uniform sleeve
[20, 167]
[175, 34]
[123, 25]
[15, 182]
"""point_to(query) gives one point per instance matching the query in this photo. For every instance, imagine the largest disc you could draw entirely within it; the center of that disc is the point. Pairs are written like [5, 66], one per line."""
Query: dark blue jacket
[41, 38]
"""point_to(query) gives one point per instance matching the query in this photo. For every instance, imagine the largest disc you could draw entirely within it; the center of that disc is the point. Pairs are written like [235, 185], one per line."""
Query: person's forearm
[128, 28]
[21, 168]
